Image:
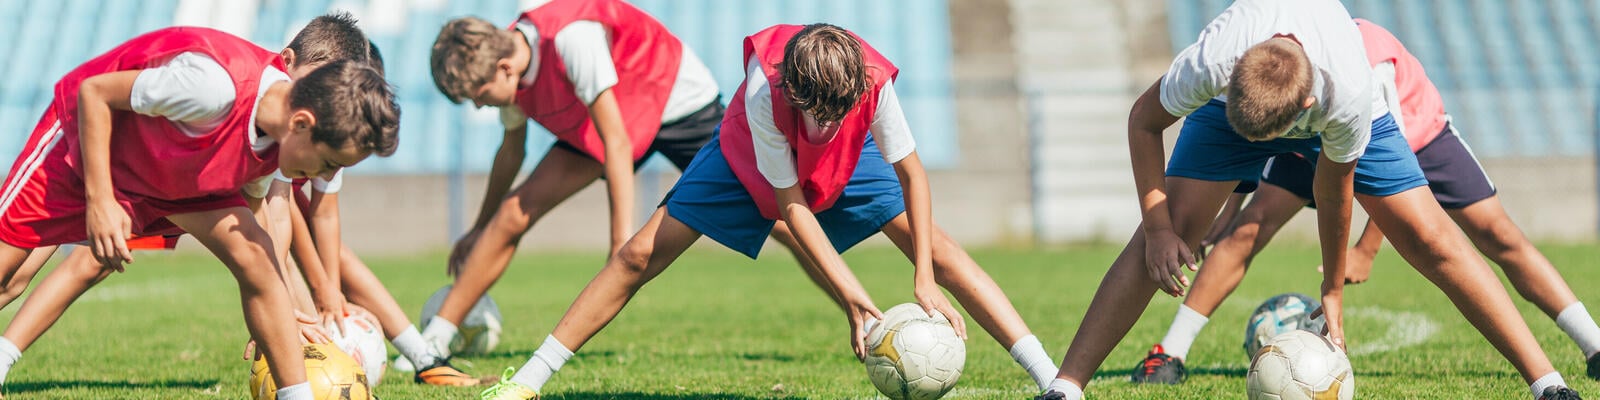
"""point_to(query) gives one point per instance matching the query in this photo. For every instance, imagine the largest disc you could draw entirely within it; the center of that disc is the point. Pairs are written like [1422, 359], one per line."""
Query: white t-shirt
[585, 49]
[774, 156]
[1344, 87]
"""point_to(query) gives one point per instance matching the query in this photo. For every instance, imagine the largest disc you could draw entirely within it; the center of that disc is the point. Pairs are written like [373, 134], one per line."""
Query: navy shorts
[1209, 149]
[1454, 174]
[710, 199]
[678, 141]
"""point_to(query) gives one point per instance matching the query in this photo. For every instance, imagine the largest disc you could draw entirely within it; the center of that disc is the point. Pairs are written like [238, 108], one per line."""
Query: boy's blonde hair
[1268, 89]
[823, 72]
[465, 53]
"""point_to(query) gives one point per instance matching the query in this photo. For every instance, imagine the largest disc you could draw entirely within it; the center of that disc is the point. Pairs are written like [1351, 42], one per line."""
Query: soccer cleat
[1594, 366]
[441, 373]
[508, 390]
[1051, 395]
[1559, 393]
[1159, 367]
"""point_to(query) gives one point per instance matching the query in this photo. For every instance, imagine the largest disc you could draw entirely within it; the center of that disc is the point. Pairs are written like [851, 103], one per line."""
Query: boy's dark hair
[374, 58]
[1268, 89]
[332, 36]
[823, 72]
[352, 104]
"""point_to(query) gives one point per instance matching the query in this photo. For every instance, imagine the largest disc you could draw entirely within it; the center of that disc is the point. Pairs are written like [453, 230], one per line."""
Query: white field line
[1406, 329]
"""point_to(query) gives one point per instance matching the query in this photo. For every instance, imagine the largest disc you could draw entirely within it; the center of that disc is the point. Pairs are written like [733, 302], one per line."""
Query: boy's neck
[521, 54]
[272, 110]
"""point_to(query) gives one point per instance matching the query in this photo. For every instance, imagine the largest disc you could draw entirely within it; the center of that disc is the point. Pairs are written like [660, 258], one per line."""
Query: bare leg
[18, 283]
[557, 177]
[79, 272]
[246, 249]
[1423, 235]
[1492, 231]
[643, 257]
[1225, 266]
[956, 271]
[1126, 289]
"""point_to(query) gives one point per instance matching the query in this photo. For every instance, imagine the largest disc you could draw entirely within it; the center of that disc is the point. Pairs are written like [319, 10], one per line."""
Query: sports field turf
[717, 326]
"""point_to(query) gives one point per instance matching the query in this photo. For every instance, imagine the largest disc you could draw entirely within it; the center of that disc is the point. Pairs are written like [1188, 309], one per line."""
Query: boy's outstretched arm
[919, 212]
[108, 224]
[607, 119]
[507, 162]
[858, 306]
[1166, 254]
[1333, 186]
[321, 277]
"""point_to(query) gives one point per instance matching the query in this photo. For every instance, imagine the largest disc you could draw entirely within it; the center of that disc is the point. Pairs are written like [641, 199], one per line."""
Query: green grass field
[717, 326]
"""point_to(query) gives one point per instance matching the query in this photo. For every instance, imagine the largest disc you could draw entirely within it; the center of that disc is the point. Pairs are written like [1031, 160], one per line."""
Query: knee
[1500, 237]
[634, 257]
[511, 221]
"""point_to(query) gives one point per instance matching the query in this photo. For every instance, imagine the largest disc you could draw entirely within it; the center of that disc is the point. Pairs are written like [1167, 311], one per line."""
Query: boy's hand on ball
[932, 299]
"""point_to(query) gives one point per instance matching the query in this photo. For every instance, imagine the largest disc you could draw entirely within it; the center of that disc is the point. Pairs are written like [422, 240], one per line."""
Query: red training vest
[823, 168]
[646, 56]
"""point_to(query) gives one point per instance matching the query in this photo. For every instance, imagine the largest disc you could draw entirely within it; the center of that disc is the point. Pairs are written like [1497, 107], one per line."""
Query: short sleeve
[329, 185]
[889, 127]
[586, 52]
[1191, 81]
[774, 156]
[191, 88]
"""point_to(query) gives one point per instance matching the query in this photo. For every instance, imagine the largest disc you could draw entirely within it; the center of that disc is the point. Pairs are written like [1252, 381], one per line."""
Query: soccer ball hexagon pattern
[1278, 315]
[480, 330]
[332, 373]
[1301, 365]
[911, 356]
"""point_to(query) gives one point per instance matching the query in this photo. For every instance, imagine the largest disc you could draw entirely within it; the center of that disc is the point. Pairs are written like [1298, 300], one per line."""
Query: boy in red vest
[613, 86]
[1458, 182]
[161, 109]
[795, 146]
[326, 38]
[1266, 78]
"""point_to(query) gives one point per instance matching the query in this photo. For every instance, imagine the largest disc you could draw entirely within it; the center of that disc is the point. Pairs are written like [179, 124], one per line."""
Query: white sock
[301, 391]
[1576, 321]
[416, 350]
[9, 354]
[1065, 387]
[545, 362]
[438, 334]
[1548, 380]
[1030, 354]
[1185, 327]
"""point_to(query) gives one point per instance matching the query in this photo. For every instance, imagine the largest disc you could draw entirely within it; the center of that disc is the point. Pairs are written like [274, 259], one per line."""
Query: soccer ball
[1301, 365]
[1278, 315]
[911, 356]
[479, 331]
[362, 338]
[332, 373]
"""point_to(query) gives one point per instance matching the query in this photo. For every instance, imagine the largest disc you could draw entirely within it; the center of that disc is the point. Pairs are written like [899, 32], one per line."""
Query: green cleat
[508, 390]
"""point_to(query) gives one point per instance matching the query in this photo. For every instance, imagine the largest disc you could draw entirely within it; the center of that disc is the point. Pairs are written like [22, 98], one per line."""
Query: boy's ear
[288, 56]
[1310, 101]
[301, 121]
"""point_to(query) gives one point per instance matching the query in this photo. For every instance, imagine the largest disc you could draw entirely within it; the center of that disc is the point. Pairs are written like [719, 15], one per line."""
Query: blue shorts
[1208, 149]
[1454, 175]
[710, 199]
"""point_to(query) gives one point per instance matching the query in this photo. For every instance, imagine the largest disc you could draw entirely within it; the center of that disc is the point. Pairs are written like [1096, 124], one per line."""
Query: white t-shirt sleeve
[774, 156]
[1384, 74]
[586, 52]
[192, 89]
[329, 185]
[257, 189]
[889, 127]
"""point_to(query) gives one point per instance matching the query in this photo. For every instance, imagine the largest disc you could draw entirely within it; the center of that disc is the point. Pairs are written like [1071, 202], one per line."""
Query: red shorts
[42, 201]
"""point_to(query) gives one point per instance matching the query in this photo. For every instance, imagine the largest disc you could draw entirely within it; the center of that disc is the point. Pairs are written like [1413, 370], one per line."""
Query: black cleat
[1559, 393]
[1159, 367]
[1594, 366]
[1051, 395]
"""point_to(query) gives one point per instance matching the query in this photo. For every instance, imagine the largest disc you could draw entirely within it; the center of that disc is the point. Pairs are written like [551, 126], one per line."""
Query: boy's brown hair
[465, 53]
[352, 104]
[374, 58]
[823, 72]
[1268, 89]
[332, 36]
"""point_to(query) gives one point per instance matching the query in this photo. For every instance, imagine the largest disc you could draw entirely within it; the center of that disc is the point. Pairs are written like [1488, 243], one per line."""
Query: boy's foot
[1051, 395]
[1559, 393]
[441, 373]
[508, 390]
[1159, 367]
[1594, 366]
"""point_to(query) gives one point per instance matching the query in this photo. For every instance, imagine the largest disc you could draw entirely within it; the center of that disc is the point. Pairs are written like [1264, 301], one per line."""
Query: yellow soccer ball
[333, 374]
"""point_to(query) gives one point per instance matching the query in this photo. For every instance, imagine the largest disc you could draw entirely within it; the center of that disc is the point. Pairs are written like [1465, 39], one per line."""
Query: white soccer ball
[362, 338]
[1279, 315]
[479, 331]
[1301, 365]
[911, 356]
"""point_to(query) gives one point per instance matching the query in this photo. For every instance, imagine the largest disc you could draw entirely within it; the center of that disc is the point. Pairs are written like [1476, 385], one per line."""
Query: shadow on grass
[1240, 372]
[656, 396]
[20, 388]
